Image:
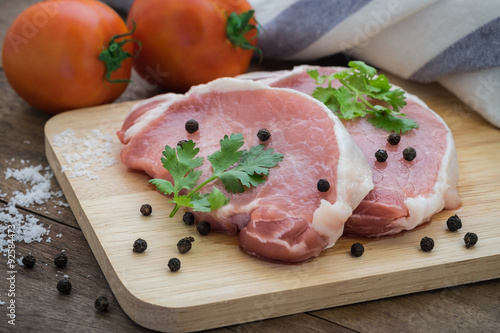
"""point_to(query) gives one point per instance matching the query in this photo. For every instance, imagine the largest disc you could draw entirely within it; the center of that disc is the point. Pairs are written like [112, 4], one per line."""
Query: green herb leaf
[237, 169]
[237, 26]
[180, 162]
[355, 98]
[253, 166]
[392, 123]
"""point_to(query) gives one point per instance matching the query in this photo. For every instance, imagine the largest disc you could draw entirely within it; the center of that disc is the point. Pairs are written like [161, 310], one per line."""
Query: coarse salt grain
[27, 228]
[86, 153]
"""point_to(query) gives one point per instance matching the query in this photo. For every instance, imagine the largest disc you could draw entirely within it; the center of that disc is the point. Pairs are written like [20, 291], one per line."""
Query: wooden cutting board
[218, 284]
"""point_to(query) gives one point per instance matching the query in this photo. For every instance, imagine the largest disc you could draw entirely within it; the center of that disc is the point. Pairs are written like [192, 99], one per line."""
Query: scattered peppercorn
[181, 143]
[323, 185]
[184, 245]
[381, 155]
[263, 134]
[357, 249]
[146, 209]
[61, 260]
[191, 126]
[101, 303]
[203, 228]
[394, 138]
[29, 261]
[64, 286]
[426, 244]
[188, 218]
[140, 245]
[470, 239]
[454, 223]
[409, 154]
[174, 264]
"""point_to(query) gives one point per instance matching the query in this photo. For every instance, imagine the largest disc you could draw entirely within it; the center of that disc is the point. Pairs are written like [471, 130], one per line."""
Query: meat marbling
[285, 219]
[406, 194]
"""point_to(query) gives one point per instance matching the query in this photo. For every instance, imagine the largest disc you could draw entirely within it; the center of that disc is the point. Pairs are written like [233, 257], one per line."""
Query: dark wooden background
[40, 308]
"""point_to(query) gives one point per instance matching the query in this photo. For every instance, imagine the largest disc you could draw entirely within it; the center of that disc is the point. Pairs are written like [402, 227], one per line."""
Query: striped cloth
[453, 42]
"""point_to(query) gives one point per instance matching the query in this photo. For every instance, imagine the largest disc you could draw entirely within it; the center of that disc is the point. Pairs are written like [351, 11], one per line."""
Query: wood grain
[227, 286]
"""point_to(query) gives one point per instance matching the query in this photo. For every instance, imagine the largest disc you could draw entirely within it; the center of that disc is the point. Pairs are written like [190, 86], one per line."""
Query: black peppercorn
[64, 286]
[263, 134]
[174, 264]
[188, 218]
[101, 304]
[181, 143]
[454, 223]
[426, 244]
[470, 239]
[184, 245]
[323, 185]
[140, 245]
[61, 260]
[191, 126]
[357, 249]
[146, 209]
[381, 155]
[203, 228]
[394, 138]
[409, 154]
[29, 261]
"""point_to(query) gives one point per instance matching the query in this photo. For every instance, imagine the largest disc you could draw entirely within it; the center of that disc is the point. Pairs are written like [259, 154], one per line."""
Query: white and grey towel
[453, 42]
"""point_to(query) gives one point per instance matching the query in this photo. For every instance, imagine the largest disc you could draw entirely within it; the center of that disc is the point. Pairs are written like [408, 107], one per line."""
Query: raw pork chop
[285, 219]
[406, 194]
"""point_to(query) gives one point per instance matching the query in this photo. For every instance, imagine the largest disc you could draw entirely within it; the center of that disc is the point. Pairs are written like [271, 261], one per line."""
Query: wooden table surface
[40, 308]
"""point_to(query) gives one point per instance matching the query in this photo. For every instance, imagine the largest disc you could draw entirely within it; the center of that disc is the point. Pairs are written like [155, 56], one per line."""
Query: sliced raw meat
[406, 194]
[285, 219]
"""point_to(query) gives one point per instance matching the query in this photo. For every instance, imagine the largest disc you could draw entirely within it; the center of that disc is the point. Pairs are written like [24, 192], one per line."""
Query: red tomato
[185, 43]
[51, 54]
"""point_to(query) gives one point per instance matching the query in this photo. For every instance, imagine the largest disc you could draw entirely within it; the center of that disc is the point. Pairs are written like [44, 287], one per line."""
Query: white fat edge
[218, 85]
[354, 175]
[354, 182]
[270, 77]
[444, 193]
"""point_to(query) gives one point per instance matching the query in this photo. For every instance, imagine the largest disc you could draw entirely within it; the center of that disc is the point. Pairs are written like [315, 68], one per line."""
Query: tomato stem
[114, 55]
[237, 26]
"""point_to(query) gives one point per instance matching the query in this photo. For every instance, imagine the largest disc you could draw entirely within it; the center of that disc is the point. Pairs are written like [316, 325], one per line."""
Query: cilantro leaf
[392, 123]
[253, 166]
[236, 168]
[357, 96]
[228, 153]
[180, 162]
[163, 185]
[363, 68]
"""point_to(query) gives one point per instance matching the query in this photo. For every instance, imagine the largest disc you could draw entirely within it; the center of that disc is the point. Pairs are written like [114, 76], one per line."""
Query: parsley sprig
[360, 85]
[237, 169]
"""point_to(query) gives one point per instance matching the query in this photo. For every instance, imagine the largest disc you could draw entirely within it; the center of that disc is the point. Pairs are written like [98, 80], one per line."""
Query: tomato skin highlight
[184, 43]
[51, 50]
